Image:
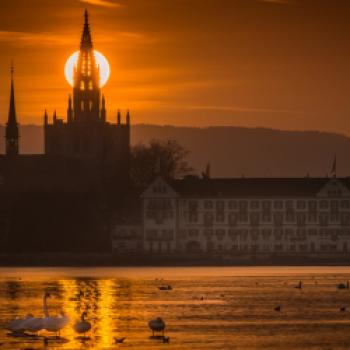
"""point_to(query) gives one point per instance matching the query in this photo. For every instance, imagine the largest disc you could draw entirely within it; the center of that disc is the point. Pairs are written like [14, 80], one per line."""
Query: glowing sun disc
[101, 61]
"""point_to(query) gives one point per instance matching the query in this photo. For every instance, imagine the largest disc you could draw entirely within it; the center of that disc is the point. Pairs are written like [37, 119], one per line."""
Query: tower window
[82, 85]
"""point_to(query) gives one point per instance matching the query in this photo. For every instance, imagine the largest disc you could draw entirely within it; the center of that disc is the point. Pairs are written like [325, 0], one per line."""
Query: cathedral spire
[86, 40]
[12, 133]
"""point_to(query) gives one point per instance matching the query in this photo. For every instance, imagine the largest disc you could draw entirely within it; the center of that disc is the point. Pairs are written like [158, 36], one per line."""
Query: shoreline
[135, 260]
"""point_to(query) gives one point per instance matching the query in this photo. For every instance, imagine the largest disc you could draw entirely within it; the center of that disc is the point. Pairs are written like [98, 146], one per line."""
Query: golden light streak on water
[103, 312]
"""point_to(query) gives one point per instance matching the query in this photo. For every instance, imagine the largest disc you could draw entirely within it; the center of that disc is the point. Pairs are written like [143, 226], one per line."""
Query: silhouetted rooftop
[251, 187]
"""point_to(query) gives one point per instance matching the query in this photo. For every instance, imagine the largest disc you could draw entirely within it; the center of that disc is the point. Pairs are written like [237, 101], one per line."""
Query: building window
[82, 86]
[278, 205]
[312, 205]
[82, 107]
[324, 204]
[290, 205]
[90, 85]
[151, 235]
[90, 105]
[232, 218]
[254, 219]
[192, 206]
[208, 205]
[193, 217]
[208, 219]
[243, 205]
[254, 205]
[301, 205]
[193, 233]
[220, 217]
[243, 217]
[220, 205]
[324, 219]
[345, 204]
[334, 205]
[266, 205]
[208, 234]
[232, 205]
[266, 217]
[220, 234]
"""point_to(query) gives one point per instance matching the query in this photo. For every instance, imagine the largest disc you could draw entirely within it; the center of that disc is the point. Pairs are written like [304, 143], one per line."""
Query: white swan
[82, 326]
[17, 326]
[36, 324]
[54, 324]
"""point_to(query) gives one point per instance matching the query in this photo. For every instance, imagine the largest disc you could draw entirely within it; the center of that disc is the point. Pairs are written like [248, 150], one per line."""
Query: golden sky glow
[272, 63]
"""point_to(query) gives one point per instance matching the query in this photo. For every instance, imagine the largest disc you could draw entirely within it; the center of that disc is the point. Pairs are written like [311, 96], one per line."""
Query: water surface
[237, 310]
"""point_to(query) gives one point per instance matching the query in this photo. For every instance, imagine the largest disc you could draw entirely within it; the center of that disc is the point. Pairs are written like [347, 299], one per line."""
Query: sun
[101, 61]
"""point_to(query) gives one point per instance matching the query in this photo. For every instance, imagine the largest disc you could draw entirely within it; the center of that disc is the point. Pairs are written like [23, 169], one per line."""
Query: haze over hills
[236, 151]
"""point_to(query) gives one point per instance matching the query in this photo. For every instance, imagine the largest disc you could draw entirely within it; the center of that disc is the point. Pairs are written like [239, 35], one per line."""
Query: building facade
[233, 217]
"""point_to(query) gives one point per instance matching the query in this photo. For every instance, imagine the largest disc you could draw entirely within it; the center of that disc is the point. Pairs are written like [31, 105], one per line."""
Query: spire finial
[12, 69]
[86, 41]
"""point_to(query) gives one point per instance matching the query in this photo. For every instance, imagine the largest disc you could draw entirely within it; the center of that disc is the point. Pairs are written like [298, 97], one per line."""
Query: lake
[208, 308]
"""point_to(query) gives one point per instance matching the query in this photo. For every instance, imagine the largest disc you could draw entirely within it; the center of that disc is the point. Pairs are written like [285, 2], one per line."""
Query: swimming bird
[300, 285]
[119, 340]
[17, 326]
[278, 308]
[54, 324]
[168, 287]
[36, 324]
[341, 286]
[82, 326]
[157, 325]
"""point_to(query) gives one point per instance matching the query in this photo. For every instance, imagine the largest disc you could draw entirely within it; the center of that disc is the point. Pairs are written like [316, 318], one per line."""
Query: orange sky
[272, 63]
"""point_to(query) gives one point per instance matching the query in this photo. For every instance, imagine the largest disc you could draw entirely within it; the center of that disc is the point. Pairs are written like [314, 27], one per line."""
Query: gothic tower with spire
[12, 134]
[86, 134]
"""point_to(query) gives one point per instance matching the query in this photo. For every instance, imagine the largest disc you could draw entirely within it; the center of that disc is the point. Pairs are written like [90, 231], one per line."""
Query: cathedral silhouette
[85, 146]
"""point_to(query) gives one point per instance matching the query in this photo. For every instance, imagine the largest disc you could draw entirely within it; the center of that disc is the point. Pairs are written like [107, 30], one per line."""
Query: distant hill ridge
[236, 151]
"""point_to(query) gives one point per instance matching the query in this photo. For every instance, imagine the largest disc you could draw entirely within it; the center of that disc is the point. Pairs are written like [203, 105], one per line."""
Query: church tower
[86, 89]
[87, 136]
[12, 134]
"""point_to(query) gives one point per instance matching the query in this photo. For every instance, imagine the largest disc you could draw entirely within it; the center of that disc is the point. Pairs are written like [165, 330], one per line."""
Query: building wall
[238, 225]
[126, 239]
[99, 141]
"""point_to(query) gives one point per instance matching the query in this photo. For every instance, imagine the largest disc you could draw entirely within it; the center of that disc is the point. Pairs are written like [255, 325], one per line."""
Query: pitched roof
[251, 187]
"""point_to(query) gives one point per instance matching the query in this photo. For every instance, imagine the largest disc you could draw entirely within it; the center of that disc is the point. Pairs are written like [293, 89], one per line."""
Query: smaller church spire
[46, 119]
[127, 117]
[70, 110]
[12, 133]
[86, 40]
[103, 109]
[118, 117]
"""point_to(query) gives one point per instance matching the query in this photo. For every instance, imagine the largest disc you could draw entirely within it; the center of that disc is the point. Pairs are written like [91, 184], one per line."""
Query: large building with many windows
[247, 216]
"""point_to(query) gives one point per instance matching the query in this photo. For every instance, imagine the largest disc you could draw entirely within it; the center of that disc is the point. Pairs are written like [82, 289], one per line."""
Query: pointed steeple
[46, 119]
[86, 40]
[103, 109]
[118, 117]
[69, 110]
[12, 133]
[127, 117]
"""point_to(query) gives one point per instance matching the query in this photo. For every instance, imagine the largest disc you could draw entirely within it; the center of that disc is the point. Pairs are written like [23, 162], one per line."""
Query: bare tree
[165, 158]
